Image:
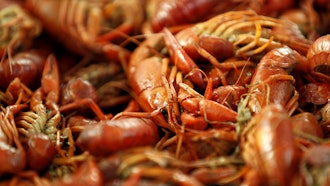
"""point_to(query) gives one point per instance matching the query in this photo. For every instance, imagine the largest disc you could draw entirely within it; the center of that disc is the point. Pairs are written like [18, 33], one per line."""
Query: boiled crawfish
[18, 28]
[243, 34]
[201, 10]
[268, 146]
[26, 66]
[39, 125]
[253, 34]
[103, 82]
[144, 164]
[272, 74]
[117, 134]
[12, 153]
[160, 91]
[314, 169]
[194, 11]
[41, 118]
[149, 85]
[317, 66]
[90, 27]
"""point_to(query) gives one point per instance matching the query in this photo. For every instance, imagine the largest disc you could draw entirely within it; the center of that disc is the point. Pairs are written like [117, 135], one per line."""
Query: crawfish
[314, 169]
[89, 27]
[306, 17]
[41, 118]
[238, 72]
[325, 115]
[16, 93]
[229, 95]
[17, 28]
[39, 126]
[27, 66]
[40, 151]
[131, 162]
[87, 173]
[194, 11]
[91, 86]
[79, 94]
[272, 7]
[12, 153]
[202, 107]
[314, 93]
[159, 90]
[109, 136]
[106, 83]
[268, 146]
[190, 64]
[232, 34]
[147, 81]
[96, 73]
[245, 32]
[201, 144]
[317, 66]
[221, 175]
[113, 93]
[272, 82]
[308, 123]
[201, 10]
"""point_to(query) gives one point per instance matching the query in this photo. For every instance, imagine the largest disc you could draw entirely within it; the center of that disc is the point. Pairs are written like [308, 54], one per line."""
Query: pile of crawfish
[165, 92]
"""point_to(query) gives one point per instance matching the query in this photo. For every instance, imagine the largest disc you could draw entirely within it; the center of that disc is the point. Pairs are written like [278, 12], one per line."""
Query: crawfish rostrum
[164, 92]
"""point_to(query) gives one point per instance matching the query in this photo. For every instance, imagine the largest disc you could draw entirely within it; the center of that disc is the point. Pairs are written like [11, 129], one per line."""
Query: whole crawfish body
[89, 27]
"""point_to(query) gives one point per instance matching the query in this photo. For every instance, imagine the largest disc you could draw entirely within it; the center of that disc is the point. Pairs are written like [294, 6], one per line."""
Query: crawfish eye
[164, 112]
